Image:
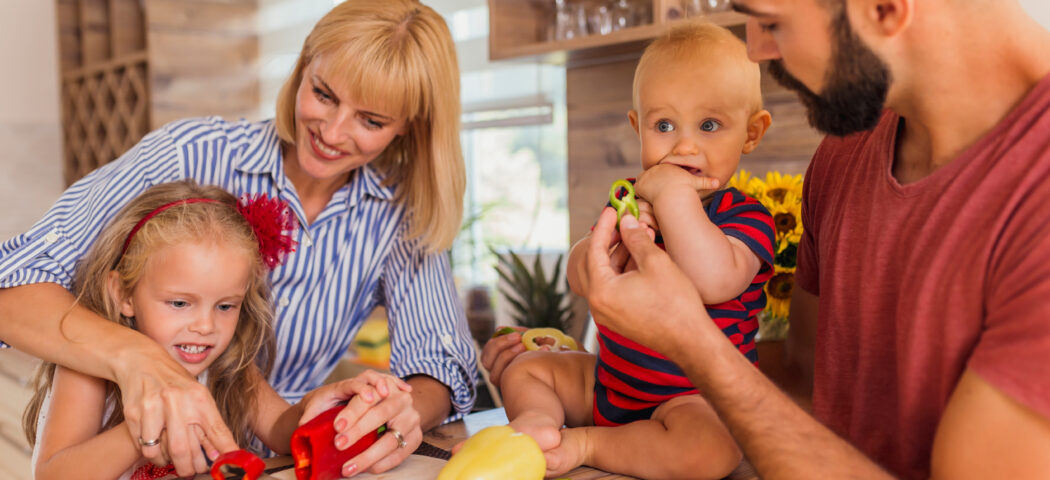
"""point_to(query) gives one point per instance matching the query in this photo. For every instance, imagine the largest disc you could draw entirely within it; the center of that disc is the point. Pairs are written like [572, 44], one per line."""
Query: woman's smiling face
[335, 133]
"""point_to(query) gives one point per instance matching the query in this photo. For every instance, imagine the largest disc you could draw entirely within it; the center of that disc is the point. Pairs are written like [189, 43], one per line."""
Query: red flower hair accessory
[273, 223]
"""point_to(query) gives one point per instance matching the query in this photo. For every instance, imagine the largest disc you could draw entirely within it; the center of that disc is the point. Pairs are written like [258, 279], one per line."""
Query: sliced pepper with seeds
[537, 338]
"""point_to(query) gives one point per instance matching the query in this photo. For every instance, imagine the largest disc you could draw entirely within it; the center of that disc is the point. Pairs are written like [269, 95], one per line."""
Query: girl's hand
[500, 351]
[377, 399]
[162, 402]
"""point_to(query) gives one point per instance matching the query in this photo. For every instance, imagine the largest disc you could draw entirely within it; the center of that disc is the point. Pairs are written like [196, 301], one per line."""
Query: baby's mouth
[696, 172]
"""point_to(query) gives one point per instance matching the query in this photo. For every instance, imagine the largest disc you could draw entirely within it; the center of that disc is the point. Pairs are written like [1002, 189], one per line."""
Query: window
[514, 146]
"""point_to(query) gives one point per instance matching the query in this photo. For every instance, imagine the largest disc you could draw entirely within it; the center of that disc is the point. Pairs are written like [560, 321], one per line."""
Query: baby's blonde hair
[253, 341]
[703, 40]
[398, 55]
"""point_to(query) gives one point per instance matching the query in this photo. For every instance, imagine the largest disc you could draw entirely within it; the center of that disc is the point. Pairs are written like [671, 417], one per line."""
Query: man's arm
[983, 434]
[986, 434]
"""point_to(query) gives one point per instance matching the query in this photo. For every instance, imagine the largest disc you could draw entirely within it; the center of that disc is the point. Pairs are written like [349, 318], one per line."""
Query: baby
[697, 108]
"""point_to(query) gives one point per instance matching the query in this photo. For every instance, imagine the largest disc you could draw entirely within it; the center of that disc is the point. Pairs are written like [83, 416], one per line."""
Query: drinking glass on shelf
[578, 21]
[713, 6]
[623, 15]
[693, 8]
[600, 20]
[562, 17]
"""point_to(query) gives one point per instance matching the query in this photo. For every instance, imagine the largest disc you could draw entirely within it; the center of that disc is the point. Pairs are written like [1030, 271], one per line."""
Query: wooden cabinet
[523, 28]
[130, 66]
[16, 371]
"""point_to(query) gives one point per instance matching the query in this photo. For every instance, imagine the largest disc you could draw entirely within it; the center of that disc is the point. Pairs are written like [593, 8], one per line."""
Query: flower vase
[771, 328]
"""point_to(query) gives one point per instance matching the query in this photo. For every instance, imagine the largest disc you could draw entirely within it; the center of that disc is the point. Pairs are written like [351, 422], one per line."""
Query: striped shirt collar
[364, 181]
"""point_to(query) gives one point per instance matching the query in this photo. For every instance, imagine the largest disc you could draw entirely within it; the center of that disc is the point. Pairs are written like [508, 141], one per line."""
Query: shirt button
[447, 340]
[51, 237]
[307, 242]
[283, 302]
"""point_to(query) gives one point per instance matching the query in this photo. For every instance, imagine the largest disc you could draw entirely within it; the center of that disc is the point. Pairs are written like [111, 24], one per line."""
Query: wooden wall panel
[203, 58]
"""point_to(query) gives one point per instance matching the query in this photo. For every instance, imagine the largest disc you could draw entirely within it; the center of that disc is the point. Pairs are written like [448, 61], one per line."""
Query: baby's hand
[666, 177]
[646, 215]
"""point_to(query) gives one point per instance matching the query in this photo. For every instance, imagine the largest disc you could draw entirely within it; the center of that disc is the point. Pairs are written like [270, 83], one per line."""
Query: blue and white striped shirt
[352, 258]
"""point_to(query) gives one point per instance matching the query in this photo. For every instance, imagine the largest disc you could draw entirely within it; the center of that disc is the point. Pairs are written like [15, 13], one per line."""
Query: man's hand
[652, 304]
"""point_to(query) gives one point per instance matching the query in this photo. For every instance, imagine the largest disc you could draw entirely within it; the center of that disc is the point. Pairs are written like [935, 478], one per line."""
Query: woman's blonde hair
[253, 343]
[398, 55]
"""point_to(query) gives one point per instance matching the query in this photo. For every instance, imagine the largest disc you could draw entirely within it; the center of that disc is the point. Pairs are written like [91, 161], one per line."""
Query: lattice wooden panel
[105, 79]
[106, 113]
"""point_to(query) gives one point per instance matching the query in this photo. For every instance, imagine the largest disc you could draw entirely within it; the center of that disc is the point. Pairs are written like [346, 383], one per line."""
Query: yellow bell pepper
[496, 453]
[535, 338]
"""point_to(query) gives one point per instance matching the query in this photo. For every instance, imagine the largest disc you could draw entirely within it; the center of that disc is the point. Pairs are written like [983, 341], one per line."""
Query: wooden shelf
[517, 30]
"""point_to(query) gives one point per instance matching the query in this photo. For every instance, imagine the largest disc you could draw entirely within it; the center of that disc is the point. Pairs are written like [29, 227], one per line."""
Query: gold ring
[401, 443]
[149, 443]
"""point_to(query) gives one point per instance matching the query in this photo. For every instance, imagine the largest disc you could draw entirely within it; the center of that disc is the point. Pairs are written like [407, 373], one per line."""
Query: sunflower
[778, 291]
[787, 217]
[740, 180]
[778, 185]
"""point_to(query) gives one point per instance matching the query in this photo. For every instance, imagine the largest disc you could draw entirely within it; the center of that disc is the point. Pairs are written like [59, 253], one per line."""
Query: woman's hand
[500, 351]
[161, 399]
[374, 399]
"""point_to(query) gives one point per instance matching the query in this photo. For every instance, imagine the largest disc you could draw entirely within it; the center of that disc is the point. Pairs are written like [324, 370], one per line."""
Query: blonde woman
[364, 149]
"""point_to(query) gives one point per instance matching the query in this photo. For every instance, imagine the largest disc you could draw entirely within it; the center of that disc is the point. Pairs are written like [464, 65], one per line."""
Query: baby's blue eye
[664, 126]
[178, 303]
[710, 126]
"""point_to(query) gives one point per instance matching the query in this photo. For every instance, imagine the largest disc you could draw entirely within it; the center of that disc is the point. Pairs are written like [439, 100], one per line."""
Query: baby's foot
[569, 454]
[540, 427]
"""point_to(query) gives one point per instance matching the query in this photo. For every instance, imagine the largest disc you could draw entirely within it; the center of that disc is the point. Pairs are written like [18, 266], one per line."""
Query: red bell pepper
[252, 465]
[313, 448]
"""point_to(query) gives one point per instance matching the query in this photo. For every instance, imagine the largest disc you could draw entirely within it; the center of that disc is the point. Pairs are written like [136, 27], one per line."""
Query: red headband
[270, 219]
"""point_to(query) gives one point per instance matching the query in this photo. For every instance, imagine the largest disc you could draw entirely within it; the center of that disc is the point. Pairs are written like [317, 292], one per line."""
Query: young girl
[185, 265]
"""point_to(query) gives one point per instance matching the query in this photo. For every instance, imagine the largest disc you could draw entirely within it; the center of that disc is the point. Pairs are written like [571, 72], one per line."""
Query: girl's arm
[274, 419]
[69, 442]
[721, 267]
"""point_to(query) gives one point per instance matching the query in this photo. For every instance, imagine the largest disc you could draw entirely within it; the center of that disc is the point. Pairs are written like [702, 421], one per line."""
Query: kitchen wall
[30, 132]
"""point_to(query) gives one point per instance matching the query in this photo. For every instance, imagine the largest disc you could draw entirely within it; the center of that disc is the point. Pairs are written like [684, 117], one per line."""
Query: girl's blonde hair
[253, 341]
[397, 55]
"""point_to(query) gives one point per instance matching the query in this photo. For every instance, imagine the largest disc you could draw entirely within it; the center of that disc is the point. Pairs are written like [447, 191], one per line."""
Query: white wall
[30, 129]
[1038, 9]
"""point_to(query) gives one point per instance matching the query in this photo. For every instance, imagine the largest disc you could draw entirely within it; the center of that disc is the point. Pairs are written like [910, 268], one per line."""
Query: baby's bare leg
[544, 390]
[683, 439]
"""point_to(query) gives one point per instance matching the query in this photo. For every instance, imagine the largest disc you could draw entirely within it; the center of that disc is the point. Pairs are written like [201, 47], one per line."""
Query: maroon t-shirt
[919, 282]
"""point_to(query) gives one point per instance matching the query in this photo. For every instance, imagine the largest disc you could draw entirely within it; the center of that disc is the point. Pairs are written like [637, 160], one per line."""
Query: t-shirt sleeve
[807, 273]
[747, 220]
[49, 250]
[1014, 347]
[428, 329]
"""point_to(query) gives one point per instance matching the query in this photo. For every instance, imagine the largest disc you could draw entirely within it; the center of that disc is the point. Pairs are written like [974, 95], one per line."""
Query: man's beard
[855, 91]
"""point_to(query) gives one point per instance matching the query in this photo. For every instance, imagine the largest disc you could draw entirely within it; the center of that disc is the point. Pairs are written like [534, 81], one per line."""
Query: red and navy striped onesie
[632, 380]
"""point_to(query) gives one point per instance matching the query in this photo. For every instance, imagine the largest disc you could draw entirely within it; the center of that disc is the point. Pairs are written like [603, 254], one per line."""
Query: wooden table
[445, 437]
